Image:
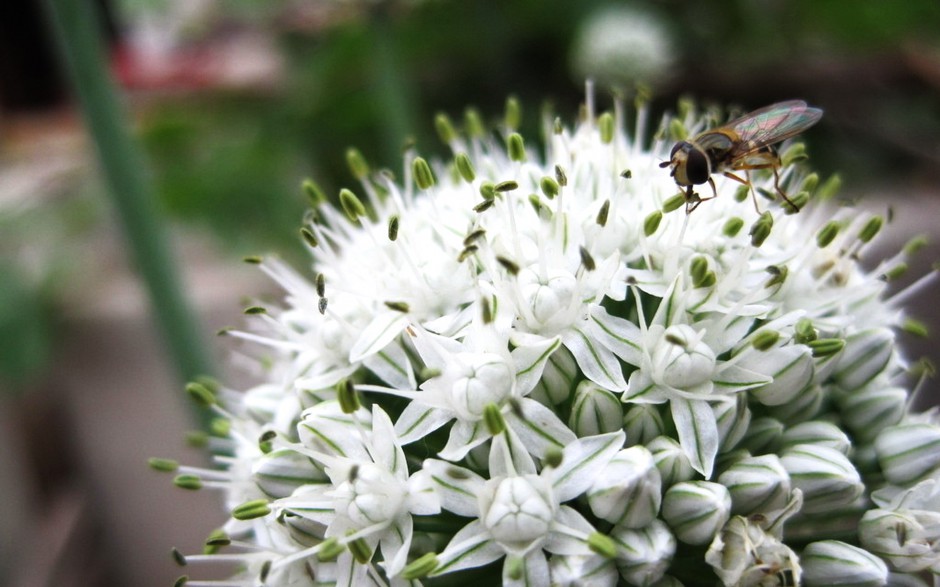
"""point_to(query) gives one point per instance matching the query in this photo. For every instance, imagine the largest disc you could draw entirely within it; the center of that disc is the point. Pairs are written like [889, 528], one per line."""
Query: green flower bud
[804, 406]
[831, 563]
[826, 477]
[757, 485]
[762, 435]
[696, 510]
[644, 554]
[628, 490]
[792, 369]
[908, 452]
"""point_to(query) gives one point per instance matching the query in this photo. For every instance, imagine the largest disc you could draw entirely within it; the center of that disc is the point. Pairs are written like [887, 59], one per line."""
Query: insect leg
[780, 190]
[746, 182]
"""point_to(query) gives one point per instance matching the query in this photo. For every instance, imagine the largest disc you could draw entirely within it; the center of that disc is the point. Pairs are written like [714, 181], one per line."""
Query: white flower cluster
[537, 369]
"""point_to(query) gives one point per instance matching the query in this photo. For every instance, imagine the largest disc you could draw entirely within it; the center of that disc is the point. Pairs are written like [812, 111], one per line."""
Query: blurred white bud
[757, 484]
[644, 554]
[628, 491]
[696, 510]
[595, 410]
[671, 460]
[825, 476]
[908, 452]
[831, 563]
[816, 433]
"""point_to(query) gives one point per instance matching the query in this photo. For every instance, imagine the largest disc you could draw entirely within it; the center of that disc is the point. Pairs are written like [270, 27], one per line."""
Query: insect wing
[772, 124]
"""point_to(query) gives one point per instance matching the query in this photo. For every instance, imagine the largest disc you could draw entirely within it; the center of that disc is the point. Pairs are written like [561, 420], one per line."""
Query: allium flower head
[532, 366]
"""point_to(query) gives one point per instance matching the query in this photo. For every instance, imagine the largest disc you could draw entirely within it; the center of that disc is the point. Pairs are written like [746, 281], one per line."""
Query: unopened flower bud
[908, 452]
[868, 411]
[595, 410]
[830, 563]
[804, 406]
[733, 420]
[792, 370]
[756, 484]
[672, 462]
[825, 476]
[642, 423]
[628, 490]
[696, 510]
[762, 435]
[644, 554]
[571, 570]
[816, 433]
[517, 511]
[865, 355]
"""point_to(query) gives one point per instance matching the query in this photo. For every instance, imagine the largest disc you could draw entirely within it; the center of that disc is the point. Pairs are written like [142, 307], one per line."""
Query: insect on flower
[743, 144]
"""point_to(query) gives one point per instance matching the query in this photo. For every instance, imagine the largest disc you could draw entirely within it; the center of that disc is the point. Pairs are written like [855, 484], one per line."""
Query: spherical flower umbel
[531, 367]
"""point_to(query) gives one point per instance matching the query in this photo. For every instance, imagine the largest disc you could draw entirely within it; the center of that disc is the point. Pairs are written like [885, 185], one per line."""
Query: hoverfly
[743, 144]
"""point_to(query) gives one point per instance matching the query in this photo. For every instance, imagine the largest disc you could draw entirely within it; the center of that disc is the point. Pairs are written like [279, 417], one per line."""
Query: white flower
[905, 530]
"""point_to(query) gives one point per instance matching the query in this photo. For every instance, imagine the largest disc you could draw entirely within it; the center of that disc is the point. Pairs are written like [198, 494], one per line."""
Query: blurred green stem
[393, 86]
[77, 25]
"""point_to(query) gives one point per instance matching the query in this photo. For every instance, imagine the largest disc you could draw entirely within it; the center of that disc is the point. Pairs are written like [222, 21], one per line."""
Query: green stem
[77, 26]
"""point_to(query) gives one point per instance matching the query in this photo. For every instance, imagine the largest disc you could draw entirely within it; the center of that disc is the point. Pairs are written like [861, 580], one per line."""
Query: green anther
[255, 310]
[402, 307]
[553, 457]
[828, 233]
[493, 419]
[536, 203]
[309, 238]
[513, 113]
[465, 254]
[486, 311]
[709, 280]
[313, 192]
[253, 259]
[674, 203]
[626, 174]
[178, 557]
[698, 268]
[602, 213]
[549, 187]
[797, 202]
[190, 482]
[163, 465]
[644, 93]
[825, 347]
[829, 188]
[393, 223]
[457, 473]
[347, 397]
[201, 394]
[915, 244]
[516, 147]
[488, 190]
[483, 206]
[509, 265]
[266, 441]
[330, 549]
[685, 107]
[677, 131]
[560, 176]
[360, 550]
[506, 186]
[420, 567]
[732, 226]
[250, 510]
[557, 126]
[871, 228]
[741, 193]
[220, 427]
[896, 272]
[765, 339]
[428, 373]
[422, 172]
[794, 153]
[197, 439]
[778, 274]
[602, 545]
[810, 182]
[351, 205]
[761, 229]
[321, 305]
[357, 163]
[805, 331]
[218, 537]
[181, 582]
[651, 222]
[473, 123]
[605, 123]
[465, 167]
[915, 327]
[587, 261]
[445, 128]
[473, 236]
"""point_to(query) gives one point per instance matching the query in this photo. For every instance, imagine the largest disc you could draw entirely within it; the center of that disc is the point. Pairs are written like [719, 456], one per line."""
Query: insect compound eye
[696, 167]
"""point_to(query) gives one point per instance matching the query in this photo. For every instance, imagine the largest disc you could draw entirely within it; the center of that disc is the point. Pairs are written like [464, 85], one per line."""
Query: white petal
[418, 420]
[621, 336]
[582, 460]
[561, 541]
[395, 543]
[509, 457]
[464, 437]
[384, 447]
[457, 487]
[540, 428]
[534, 571]
[698, 433]
[383, 329]
[470, 547]
[530, 361]
[392, 366]
[598, 363]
